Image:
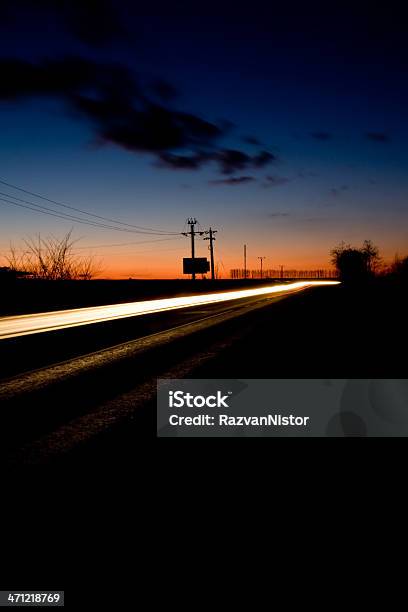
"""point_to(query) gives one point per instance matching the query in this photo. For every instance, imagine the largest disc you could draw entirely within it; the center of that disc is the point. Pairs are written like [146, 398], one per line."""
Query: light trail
[23, 325]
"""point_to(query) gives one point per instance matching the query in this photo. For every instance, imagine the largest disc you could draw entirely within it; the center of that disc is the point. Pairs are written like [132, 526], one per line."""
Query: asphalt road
[100, 407]
[37, 340]
[35, 323]
[63, 389]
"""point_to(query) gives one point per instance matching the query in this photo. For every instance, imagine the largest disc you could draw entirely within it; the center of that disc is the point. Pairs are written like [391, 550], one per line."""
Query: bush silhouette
[355, 265]
[399, 269]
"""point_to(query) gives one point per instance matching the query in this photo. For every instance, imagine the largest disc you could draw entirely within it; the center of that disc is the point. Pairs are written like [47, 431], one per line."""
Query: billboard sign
[201, 265]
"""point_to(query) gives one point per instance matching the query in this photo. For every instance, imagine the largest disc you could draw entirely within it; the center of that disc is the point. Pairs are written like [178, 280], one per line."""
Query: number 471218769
[34, 598]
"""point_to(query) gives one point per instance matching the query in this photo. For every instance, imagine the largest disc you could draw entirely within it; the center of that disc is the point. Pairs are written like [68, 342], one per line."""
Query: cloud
[232, 160]
[274, 215]
[263, 158]
[164, 90]
[380, 137]
[123, 113]
[252, 140]
[275, 181]
[234, 180]
[148, 127]
[321, 135]
[22, 79]
[182, 162]
[336, 191]
[228, 161]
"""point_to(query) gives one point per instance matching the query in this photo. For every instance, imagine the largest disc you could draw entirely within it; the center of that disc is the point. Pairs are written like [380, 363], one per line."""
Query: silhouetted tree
[355, 265]
[372, 255]
[399, 268]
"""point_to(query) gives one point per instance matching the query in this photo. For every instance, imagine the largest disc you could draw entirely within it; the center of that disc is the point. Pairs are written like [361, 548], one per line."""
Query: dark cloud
[321, 135]
[182, 162]
[164, 90]
[228, 161]
[274, 215]
[233, 180]
[252, 140]
[22, 79]
[275, 181]
[232, 160]
[123, 112]
[377, 137]
[153, 129]
[263, 158]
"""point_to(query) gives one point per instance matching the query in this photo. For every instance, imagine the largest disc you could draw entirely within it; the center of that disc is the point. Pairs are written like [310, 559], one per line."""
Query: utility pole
[245, 269]
[211, 238]
[281, 272]
[261, 260]
[192, 221]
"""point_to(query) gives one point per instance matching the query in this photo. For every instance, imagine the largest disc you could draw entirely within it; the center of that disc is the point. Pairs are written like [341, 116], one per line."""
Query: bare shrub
[53, 258]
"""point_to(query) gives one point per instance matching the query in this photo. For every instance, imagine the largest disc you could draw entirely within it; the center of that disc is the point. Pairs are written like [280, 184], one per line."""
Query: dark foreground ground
[328, 332]
[27, 296]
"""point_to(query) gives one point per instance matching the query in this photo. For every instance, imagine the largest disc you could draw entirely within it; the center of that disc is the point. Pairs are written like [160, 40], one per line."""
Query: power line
[71, 217]
[119, 244]
[83, 212]
[99, 246]
[142, 252]
[79, 219]
[67, 217]
[49, 211]
[46, 210]
[80, 210]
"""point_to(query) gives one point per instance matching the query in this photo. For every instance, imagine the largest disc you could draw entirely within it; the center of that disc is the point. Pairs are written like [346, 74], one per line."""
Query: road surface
[16, 326]
[80, 393]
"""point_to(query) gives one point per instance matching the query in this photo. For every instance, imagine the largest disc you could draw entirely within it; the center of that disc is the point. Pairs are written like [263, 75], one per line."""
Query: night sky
[284, 129]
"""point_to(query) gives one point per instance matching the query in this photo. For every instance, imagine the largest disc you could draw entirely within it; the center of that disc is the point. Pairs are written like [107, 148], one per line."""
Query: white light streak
[23, 325]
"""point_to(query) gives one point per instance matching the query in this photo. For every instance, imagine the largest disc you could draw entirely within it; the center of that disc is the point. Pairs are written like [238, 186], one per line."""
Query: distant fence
[240, 273]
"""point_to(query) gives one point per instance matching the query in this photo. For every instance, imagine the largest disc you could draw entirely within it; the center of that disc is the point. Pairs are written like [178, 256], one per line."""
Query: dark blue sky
[285, 129]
